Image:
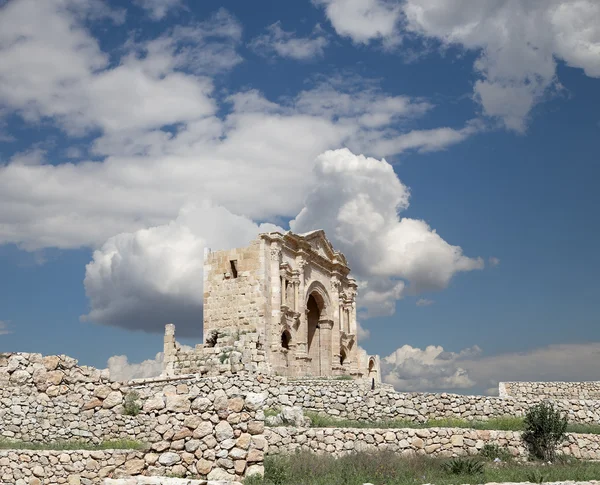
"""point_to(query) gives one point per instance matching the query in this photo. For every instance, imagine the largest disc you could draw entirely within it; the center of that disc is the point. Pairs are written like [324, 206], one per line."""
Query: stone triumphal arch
[291, 300]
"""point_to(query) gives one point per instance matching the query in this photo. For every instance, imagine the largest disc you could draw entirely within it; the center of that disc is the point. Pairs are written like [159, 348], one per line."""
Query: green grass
[506, 423]
[72, 445]
[391, 469]
[271, 412]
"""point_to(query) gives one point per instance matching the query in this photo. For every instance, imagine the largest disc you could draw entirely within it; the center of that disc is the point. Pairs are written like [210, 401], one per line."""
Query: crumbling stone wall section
[204, 427]
[550, 390]
[440, 442]
[241, 351]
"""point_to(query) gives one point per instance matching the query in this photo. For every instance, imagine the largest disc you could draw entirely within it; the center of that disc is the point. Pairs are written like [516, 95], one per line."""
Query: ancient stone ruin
[284, 305]
[281, 340]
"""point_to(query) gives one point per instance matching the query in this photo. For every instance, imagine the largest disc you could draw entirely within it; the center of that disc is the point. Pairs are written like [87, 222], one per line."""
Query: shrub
[212, 339]
[279, 472]
[535, 476]
[493, 451]
[544, 430]
[131, 406]
[463, 466]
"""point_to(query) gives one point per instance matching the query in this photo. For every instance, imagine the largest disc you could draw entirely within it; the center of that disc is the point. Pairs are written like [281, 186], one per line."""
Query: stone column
[302, 331]
[169, 350]
[353, 295]
[296, 302]
[272, 337]
[325, 350]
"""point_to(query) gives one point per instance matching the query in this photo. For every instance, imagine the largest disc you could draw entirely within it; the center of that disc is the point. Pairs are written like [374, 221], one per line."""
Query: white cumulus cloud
[120, 369]
[519, 42]
[286, 44]
[471, 371]
[144, 279]
[356, 202]
[364, 20]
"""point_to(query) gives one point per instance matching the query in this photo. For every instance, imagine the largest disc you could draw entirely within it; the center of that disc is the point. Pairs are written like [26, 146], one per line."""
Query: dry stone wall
[355, 400]
[205, 427]
[233, 353]
[28, 467]
[440, 442]
[551, 390]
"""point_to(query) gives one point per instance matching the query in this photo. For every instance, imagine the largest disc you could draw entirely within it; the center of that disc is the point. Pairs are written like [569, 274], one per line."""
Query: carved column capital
[275, 254]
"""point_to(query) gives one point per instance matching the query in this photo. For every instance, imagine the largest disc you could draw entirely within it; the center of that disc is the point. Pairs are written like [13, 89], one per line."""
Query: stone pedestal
[326, 353]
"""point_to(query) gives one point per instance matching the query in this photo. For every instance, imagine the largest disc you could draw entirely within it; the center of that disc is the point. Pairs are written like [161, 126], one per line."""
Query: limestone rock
[113, 399]
[169, 458]
[223, 431]
[178, 403]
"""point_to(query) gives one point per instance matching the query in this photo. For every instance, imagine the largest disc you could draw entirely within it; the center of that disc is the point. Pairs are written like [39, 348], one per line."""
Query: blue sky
[454, 146]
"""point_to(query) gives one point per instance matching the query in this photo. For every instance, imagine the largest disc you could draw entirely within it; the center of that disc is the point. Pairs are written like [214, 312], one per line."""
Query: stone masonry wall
[355, 400]
[551, 390]
[206, 427]
[240, 352]
[234, 302]
[29, 467]
[442, 442]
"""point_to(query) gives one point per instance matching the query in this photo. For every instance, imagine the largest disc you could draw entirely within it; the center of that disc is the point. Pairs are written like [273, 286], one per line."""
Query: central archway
[317, 305]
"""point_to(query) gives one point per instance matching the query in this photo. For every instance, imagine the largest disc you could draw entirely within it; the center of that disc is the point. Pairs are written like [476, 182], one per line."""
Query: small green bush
[545, 429]
[463, 466]
[272, 412]
[492, 451]
[535, 476]
[131, 405]
[224, 356]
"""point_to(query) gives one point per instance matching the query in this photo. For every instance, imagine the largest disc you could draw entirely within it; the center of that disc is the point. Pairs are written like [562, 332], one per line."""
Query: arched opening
[343, 356]
[371, 365]
[285, 339]
[314, 350]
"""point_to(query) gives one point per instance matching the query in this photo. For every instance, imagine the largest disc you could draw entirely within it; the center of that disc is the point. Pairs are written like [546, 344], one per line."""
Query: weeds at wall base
[73, 445]
[508, 423]
[392, 469]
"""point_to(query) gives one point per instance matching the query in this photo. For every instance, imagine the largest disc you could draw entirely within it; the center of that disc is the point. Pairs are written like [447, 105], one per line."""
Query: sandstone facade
[292, 302]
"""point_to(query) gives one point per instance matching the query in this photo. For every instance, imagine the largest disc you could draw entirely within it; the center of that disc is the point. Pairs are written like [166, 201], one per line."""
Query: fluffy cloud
[433, 369]
[494, 261]
[519, 42]
[411, 369]
[164, 138]
[147, 176]
[364, 20]
[362, 332]
[285, 44]
[51, 67]
[356, 202]
[121, 370]
[144, 279]
[158, 9]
